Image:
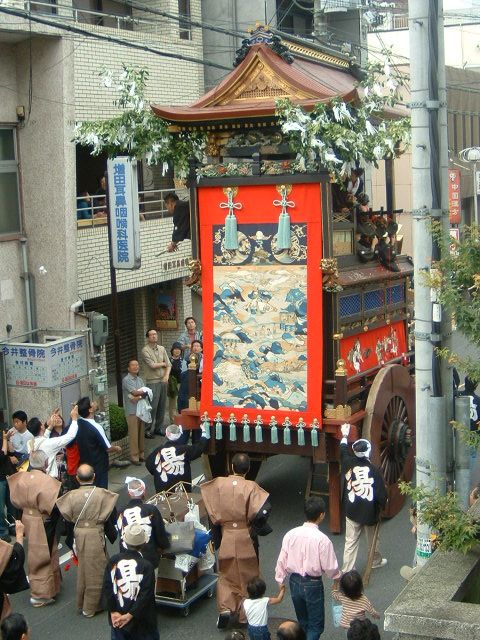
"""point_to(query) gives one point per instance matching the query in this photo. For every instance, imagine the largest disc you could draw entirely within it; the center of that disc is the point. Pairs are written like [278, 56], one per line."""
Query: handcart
[177, 584]
[205, 586]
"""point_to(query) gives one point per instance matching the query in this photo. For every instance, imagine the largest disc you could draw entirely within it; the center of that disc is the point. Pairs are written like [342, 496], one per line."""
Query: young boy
[19, 437]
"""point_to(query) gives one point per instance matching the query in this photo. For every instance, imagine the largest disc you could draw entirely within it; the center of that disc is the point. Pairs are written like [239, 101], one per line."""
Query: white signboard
[45, 366]
[124, 218]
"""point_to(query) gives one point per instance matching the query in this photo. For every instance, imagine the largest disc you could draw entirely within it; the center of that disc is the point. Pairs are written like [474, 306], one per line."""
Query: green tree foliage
[456, 280]
[455, 529]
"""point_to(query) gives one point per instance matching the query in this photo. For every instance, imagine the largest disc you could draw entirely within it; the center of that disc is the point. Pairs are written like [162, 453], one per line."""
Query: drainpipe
[26, 281]
[73, 308]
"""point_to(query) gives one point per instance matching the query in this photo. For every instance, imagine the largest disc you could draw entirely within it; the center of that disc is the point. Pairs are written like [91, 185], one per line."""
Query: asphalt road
[285, 478]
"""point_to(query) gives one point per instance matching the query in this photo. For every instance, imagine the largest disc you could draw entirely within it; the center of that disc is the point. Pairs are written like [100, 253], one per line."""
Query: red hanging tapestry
[262, 306]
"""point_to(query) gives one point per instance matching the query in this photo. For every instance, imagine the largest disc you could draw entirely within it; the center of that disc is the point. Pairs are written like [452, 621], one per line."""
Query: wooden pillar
[389, 184]
[334, 485]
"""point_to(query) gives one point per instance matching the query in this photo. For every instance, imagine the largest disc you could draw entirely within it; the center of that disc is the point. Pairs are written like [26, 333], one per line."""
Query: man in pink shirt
[307, 554]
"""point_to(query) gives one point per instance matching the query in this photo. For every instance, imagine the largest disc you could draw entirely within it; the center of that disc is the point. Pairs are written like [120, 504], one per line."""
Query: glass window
[184, 26]
[7, 146]
[9, 200]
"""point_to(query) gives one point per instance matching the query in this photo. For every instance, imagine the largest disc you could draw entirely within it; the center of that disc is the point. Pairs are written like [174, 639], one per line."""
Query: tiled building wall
[93, 265]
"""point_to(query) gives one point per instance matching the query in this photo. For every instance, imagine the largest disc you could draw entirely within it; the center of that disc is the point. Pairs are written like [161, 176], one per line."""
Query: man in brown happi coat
[238, 510]
[92, 514]
[35, 493]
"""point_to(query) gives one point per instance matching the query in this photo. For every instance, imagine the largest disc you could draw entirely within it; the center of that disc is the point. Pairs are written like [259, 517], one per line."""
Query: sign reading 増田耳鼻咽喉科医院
[124, 217]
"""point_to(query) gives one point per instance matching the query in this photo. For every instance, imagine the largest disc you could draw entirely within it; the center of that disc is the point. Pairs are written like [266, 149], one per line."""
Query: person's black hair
[34, 425]
[20, 415]
[189, 318]
[175, 345]
[363, 630]
[256, 588]
[197, 342]
[171, 196]
[84, 405]
[13, 627]
[351, 584]
[292, 631]
[362, 198]
[147, 332]
[241, 463]
[470, 385]
[313, 508]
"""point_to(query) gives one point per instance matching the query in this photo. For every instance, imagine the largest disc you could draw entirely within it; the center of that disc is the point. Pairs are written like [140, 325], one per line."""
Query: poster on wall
[165, 309]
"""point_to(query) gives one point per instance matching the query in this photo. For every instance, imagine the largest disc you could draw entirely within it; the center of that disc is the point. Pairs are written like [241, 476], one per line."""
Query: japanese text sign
[454, 196]
[124, 218]
[46, 365]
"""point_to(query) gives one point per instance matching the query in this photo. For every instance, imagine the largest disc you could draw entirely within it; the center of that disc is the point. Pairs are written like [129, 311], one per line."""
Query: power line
[112, 39]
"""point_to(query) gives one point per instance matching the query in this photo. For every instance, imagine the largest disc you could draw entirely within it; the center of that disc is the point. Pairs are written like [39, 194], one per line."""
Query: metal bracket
[418, 214]
[421, 335]
[436, 213]
[431, 105]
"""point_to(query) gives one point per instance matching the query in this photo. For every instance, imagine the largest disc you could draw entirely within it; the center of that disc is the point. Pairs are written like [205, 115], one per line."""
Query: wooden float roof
[306, 75]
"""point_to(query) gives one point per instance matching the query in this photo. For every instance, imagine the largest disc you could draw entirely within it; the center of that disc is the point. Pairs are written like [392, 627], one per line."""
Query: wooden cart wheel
[389, 424]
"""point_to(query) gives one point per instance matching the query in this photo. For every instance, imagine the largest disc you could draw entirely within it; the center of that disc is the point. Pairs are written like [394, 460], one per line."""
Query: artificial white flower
[370, 128]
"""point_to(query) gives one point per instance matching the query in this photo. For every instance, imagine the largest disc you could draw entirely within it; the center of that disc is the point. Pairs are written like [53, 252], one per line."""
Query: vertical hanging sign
[124, 216]
[454, 196]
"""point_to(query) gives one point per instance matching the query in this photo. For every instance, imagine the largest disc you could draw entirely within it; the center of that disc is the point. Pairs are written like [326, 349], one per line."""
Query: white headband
[139, 491]
[362, 454]
[174, 436]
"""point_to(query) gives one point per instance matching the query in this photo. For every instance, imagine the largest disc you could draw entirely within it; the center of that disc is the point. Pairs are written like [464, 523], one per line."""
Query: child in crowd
[354, 602]
[255, 607]
[18, 438]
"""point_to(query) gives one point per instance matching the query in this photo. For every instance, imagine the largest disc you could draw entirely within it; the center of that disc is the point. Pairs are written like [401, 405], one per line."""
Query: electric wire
[112, 39]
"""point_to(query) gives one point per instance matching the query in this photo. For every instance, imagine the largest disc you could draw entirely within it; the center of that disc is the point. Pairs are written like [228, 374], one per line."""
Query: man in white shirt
[52, 446]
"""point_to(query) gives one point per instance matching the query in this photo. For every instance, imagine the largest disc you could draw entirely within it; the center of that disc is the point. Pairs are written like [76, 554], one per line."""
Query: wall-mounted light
[20, 113]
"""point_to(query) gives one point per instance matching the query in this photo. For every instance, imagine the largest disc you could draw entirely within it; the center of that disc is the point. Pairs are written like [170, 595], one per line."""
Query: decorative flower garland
[335, 136]
[342, 135]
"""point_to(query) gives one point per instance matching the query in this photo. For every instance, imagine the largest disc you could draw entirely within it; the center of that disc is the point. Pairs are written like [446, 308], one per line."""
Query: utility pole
[319, 19]
[429, 203]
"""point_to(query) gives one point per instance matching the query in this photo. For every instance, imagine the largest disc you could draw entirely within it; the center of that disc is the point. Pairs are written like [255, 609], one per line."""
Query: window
[184, 26]
[9, 199]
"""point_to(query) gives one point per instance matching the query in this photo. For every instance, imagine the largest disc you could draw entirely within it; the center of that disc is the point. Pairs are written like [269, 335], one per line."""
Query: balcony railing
[92, 210]
[70, 13]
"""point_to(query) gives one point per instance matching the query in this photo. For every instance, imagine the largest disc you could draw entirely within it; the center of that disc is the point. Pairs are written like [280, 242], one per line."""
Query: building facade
[51, 55]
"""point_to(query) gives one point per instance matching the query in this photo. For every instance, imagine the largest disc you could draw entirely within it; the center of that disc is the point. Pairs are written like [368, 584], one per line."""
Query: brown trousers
[136, 437]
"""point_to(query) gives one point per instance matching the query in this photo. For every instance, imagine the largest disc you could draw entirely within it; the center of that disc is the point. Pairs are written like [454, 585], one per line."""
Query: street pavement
[285, 478]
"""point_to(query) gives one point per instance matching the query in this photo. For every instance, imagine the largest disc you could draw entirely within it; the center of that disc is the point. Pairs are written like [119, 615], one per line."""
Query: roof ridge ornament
[262, 35]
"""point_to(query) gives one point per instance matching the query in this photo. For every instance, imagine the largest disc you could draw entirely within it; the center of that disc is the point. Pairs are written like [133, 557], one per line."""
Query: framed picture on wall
[165, 309]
